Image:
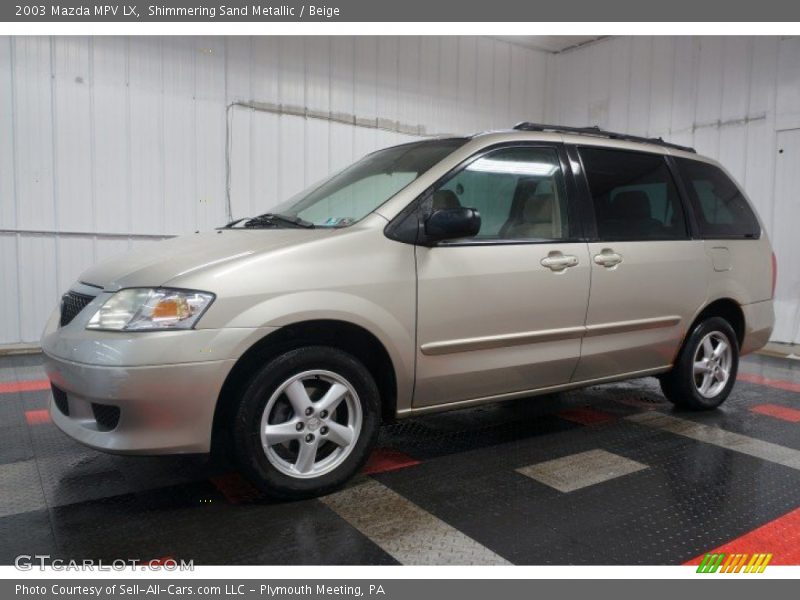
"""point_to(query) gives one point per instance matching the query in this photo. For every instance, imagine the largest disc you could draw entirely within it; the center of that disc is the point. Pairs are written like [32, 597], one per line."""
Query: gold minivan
[429, 276]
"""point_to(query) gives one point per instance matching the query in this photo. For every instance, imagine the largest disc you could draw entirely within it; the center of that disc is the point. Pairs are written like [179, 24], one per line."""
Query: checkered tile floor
[608, 475]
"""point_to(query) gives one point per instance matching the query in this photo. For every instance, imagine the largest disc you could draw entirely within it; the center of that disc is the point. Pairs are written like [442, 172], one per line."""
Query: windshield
[351, 194]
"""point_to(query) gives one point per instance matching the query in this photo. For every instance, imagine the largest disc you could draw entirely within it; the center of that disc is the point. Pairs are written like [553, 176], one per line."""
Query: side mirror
[452, 224]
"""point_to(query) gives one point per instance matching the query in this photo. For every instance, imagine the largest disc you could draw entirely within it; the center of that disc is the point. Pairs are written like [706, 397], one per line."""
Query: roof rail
[596, 131]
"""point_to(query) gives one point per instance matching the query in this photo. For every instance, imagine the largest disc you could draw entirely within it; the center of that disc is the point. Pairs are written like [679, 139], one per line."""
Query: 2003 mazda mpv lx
[433, 275]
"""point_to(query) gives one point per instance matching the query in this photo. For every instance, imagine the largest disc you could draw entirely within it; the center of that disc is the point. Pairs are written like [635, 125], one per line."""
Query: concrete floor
[608, 475]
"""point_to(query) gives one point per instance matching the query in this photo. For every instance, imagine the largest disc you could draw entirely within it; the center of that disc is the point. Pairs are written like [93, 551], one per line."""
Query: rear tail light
[774, 274]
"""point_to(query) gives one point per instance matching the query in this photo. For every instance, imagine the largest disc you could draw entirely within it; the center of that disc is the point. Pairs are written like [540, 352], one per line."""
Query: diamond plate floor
[607, 475]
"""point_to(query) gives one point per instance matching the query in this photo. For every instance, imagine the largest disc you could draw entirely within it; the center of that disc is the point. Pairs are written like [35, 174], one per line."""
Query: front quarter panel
[355, 275]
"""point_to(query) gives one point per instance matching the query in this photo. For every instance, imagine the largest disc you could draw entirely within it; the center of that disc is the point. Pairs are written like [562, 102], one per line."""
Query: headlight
[139, 309]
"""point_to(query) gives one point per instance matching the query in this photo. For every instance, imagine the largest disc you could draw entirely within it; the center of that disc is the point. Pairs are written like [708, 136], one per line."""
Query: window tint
[634, 195]
[720, 208]
[518, 191]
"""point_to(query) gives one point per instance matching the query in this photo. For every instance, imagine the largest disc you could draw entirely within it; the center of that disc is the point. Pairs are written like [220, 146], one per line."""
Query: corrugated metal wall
[107, 143]
[726, 96]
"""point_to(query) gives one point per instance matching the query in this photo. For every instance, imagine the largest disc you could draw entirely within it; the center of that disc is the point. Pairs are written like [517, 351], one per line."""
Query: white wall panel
[8, 208]
[145, 113]
[38, 287]
[501, 86]
[10, 332]
[684, 87]
[787, 102]
[620, 77]
[787, 181]
[536, 87]
[662, 65]
[33, 133]
[110, 134]
[640, 85]
[108, 141]
[72, 133]
[468, 106]
[726, 96]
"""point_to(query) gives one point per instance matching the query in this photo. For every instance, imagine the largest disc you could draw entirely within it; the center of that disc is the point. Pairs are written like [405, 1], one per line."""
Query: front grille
[71, 304]
[107, 416]
[60, 399]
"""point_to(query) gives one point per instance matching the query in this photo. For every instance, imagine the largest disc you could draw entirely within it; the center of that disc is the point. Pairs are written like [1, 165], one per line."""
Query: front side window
[351, 194]
[519, 193]
[720, 207]
[634, 195]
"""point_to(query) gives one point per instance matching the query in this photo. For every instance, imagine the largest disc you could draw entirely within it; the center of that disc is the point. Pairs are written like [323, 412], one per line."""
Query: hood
[157, 264]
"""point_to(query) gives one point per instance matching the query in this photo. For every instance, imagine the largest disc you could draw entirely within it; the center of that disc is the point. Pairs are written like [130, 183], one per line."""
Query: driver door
[503, 312]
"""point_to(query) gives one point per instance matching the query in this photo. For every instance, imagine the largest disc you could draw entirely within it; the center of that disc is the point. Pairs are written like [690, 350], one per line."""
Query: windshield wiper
[272, 220]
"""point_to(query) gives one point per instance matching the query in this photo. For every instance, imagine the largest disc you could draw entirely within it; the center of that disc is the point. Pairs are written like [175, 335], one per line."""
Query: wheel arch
[726, 308]
[344, 335]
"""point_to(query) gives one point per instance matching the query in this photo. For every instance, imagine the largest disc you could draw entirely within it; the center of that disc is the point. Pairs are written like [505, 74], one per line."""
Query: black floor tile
[735, 414]
[26, 533]
[15, 444]
[691, 498]
[194, 522]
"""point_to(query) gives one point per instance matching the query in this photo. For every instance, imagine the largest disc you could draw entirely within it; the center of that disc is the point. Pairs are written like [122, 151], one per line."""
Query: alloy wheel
[713, 359]
[311, 424]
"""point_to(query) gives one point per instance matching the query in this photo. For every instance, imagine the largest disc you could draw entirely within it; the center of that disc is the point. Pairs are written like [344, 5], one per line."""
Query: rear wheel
[307, 422]
[705, 371]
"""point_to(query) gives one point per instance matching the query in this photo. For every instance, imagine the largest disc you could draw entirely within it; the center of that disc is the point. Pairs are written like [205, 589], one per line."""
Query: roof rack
[596, 131]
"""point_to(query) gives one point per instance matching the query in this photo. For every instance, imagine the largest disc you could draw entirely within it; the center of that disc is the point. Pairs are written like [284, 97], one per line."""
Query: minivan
[434, 275]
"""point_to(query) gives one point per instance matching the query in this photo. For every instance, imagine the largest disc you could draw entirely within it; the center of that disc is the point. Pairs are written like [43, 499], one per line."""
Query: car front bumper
[162, 409]
[164, 384]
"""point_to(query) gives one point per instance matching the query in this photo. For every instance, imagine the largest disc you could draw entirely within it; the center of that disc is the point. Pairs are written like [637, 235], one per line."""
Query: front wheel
[307, 422]
[705, 371]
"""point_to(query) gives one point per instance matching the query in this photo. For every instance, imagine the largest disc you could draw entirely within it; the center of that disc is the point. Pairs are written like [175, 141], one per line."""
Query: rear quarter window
[719, 206]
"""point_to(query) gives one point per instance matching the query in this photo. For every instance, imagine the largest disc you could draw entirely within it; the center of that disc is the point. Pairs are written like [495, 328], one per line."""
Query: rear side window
[719, 206]
[634, 195]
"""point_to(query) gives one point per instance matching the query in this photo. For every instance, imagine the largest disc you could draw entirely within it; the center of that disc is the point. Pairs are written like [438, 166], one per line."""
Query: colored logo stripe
[734, 563]
[710, 563]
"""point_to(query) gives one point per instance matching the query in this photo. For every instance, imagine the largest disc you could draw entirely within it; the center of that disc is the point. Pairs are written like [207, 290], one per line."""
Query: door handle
[607, 258]
[555, 261]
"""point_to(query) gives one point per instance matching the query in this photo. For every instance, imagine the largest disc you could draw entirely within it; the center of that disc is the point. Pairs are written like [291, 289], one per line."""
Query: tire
[285, 440]
[708, 386]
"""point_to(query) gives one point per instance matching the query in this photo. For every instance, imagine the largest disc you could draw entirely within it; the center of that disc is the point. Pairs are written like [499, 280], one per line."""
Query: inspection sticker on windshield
[339, 221]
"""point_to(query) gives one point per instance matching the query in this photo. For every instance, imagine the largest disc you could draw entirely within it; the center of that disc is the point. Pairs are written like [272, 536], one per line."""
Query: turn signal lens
[144, 309]
[171, 308]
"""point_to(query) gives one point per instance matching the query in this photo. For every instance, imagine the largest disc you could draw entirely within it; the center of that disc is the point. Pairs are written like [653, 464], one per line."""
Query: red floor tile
[236, 489]
[585, 415]
[37, 417]
[779, 412]
[10, 387]
[384, 459]
[776, 383]
[780, 537]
